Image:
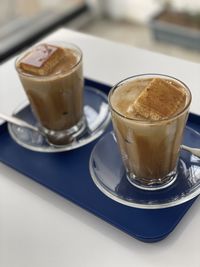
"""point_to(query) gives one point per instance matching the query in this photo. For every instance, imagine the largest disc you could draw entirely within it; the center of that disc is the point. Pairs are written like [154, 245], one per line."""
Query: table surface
[40, 228]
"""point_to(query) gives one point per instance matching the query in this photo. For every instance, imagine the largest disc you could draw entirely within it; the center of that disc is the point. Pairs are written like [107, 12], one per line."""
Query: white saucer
[108, 173]
[96, 112]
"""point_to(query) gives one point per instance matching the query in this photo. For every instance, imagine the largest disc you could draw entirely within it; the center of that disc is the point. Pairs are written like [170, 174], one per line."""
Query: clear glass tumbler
[56, 99]
[149, 149]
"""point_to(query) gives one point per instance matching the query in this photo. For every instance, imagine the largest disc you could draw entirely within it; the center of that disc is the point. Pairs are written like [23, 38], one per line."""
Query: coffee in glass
[52, 77]
[149, 113]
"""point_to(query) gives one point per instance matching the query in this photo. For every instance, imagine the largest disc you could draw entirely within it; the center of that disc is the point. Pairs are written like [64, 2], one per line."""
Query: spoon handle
[194, 151]
[18, 122]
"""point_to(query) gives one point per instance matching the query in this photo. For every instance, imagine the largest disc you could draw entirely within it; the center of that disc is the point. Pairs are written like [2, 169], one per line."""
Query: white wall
[142, 10]
[190, 5]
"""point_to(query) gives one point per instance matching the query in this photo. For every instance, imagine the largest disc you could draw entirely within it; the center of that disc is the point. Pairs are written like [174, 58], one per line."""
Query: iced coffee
[52, 77]
[149, 113]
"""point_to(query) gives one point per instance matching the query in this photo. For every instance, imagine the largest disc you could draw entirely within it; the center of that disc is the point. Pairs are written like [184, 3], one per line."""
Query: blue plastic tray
[67, 174]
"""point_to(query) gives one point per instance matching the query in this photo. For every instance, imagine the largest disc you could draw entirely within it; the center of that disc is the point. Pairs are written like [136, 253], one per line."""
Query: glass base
[153, 184]
[64, 137]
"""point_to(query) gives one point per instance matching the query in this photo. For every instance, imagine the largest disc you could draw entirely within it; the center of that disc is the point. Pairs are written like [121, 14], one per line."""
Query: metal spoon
[19, 122]
[22, 123]
[192, 150]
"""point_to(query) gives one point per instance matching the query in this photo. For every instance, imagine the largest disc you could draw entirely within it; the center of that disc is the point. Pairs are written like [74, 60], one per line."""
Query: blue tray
[67, 174]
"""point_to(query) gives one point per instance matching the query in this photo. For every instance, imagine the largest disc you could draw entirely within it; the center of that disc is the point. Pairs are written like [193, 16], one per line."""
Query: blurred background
[171, 27]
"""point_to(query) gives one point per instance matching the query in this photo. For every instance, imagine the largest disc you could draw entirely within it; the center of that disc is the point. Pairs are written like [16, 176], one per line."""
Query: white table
[40, 228]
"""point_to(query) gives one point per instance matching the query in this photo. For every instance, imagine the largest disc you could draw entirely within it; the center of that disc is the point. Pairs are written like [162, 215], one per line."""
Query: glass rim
[60, 74]
[145, 121]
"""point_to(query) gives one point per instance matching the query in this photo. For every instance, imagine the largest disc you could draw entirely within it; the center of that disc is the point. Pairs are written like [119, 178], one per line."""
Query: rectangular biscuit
[160, 99]
[41, 60]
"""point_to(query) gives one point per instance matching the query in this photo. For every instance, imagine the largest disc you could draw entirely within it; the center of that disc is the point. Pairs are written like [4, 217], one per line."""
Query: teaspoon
[192, 150]
[24, 124]
[19, 122]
